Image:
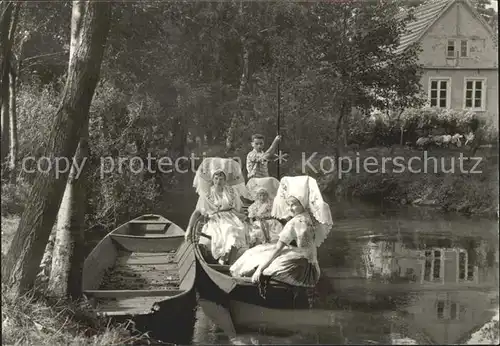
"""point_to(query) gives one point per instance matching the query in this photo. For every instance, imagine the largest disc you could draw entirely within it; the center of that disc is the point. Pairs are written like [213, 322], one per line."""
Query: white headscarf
[305, 189]
[211, 165]
[268, 184]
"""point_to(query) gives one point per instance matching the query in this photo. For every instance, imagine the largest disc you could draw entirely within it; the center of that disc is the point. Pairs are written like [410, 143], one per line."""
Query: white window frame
[447, 303]
[467, 48]
[457, 311]
[467, 278]
[457, 48]
[483, 93]
[454, 54]
[432, 279]
[448, 91]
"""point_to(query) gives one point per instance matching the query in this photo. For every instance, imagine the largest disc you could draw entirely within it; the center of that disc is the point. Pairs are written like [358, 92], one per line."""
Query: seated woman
[219, 184]
[264, 228]
[310, 224]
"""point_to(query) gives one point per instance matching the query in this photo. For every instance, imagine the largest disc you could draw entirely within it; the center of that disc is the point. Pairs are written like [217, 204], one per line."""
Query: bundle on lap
[311, 222]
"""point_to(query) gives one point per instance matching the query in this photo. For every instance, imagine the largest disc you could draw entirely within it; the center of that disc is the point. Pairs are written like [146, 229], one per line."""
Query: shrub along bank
[437, 179]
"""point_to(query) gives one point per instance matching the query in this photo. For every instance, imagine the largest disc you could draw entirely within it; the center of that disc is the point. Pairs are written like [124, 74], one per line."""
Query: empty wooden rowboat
[137, 266]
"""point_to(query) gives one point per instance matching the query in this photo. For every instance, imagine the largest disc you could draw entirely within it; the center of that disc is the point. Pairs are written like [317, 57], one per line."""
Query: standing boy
[258, 159]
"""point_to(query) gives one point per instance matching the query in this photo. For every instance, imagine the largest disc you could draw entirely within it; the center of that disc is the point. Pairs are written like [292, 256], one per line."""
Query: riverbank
[487, 334]
[448, 180]
[35, 319]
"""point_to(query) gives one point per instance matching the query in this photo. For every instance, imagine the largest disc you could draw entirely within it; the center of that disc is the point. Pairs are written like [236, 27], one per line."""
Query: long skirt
[226, 231]
[264, 231]
[290, 266]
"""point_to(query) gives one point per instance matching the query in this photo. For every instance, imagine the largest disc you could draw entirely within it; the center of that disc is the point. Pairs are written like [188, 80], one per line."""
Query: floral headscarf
[305, 189]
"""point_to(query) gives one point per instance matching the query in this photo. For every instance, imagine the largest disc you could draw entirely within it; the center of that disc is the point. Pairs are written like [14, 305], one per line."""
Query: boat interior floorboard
[142, 271]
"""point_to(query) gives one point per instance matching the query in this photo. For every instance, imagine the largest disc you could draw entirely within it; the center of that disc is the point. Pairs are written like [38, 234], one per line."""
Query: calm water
[440, 277]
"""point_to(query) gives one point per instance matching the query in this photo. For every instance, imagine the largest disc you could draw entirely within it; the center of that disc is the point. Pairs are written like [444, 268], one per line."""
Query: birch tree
[68, 254]
[90, 22]
[9, 14]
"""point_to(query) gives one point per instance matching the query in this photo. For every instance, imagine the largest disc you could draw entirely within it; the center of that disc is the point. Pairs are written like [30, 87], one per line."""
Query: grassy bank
[437, 178]
[34, 319]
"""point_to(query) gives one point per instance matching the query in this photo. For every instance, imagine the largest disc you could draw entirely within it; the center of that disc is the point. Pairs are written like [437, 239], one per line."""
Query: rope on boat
[262, 285]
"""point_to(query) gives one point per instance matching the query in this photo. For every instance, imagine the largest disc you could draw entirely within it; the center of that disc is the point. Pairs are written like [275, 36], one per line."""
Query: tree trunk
[179, 136]
[243, 85]
[46, 262]
[14, 141]
[4, 110]
[14, 144]
[6, 10]
[68, 254]
[23, 259]
[179, 133]
[338, 129]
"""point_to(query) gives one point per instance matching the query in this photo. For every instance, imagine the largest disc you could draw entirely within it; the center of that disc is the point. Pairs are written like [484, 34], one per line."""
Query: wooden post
[278, 123]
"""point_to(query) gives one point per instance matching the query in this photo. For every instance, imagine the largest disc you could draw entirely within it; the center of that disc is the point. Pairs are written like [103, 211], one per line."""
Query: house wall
[459, 22]
[450, 265]
[457, 94]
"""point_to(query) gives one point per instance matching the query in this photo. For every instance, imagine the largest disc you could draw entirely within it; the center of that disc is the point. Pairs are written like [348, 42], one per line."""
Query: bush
[432, 120]
[465, 193]
[384, 129]
[36, 108]
[14, 197]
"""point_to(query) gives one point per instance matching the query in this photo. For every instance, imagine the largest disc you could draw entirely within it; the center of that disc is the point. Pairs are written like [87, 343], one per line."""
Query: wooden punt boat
[214, 282]
[236, 304]
[138, 267]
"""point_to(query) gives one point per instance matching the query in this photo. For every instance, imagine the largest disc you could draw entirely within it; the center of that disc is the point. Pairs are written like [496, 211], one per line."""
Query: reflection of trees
[335, 252]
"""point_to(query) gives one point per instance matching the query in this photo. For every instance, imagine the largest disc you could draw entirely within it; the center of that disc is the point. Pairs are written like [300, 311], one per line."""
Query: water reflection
[392, 279]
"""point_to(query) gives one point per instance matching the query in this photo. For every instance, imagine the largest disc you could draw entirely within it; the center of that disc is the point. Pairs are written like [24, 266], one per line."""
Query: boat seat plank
[147, 236]
[148, 243]
[144, 261]
[161, 222]
[130, 293]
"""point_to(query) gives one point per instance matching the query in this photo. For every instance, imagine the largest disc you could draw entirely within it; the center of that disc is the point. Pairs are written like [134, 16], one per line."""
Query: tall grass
[36, 319]
[33, 319]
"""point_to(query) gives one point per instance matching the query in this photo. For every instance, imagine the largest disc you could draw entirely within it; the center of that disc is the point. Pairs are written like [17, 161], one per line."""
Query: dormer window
[455, 47]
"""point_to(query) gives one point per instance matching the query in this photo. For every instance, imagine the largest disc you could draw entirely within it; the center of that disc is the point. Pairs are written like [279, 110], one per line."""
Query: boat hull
[213, 282]
[140, 269]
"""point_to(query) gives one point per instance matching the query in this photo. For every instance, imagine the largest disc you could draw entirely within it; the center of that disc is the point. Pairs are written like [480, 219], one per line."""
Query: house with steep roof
[459, 56]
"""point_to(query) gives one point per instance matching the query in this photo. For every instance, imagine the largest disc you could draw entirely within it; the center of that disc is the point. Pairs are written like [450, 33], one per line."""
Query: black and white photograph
[235, 172]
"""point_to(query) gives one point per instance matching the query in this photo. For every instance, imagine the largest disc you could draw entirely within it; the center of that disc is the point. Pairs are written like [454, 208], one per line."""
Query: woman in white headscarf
[264, 228]
[219, 183]
[293, 259]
